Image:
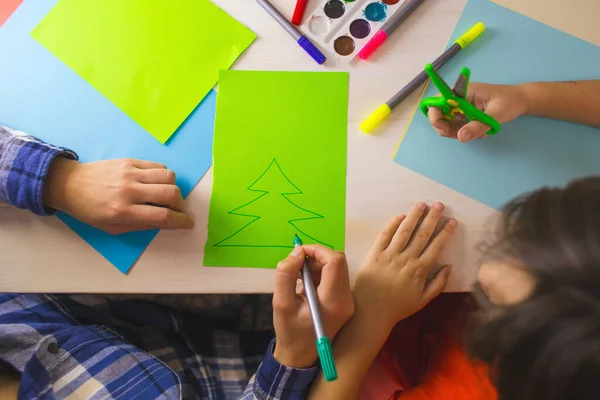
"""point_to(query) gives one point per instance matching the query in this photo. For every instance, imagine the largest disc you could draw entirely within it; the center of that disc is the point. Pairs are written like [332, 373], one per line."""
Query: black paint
[334, 9]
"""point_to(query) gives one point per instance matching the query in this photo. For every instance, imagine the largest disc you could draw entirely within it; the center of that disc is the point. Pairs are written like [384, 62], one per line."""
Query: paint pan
[343, 27]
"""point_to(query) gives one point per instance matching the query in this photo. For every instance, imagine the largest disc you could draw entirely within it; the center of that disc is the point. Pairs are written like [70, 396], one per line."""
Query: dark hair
[548, 346]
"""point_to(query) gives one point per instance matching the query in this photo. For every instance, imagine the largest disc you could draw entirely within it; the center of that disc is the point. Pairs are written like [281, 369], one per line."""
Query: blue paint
[44, 97]
[529, 152]
[375, 12]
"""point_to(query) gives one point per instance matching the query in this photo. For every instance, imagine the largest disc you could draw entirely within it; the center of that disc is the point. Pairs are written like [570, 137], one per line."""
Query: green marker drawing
[275, 190]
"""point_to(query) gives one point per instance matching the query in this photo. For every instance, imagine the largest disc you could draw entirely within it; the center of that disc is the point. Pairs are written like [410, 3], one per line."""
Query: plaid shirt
[98, 347]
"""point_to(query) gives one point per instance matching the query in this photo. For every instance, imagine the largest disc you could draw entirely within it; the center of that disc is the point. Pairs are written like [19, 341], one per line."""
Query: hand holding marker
[389, 27]
[291, 29]
[385, 109]
[323, 343]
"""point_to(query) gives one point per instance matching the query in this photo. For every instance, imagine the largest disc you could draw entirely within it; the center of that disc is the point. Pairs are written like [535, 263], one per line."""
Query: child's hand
[295, 343]
[116, 195]
[503, 102]
[392, 284]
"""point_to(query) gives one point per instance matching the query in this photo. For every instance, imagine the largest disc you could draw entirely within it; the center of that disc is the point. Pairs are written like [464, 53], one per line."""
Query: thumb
[436, 285]
[286, 275]
[472, 130]
[476, 129]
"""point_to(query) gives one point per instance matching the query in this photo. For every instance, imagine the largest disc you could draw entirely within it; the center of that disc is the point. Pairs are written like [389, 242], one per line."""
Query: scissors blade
[460, 87]
[462, 83]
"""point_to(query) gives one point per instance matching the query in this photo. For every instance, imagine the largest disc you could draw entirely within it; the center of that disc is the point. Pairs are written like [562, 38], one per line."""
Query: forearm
[354, 350]
[573, 101]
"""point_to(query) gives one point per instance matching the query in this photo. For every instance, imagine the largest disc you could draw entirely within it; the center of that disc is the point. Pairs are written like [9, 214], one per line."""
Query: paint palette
[343, 27]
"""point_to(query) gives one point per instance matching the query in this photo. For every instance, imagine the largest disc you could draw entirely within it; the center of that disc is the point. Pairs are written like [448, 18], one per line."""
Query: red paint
[7, 7]
[299, 12]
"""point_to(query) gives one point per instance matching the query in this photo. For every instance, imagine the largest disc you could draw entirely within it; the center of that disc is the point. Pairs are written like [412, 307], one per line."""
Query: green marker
[323, 342]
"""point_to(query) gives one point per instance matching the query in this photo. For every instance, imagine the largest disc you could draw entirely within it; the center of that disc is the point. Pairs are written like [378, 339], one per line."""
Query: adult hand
[295, 338]
[503, 102]
[116, 196]
[392, 284]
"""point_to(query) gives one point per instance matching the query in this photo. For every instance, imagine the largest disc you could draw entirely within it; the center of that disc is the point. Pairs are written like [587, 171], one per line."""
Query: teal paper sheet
[43, 97]
[527, 153]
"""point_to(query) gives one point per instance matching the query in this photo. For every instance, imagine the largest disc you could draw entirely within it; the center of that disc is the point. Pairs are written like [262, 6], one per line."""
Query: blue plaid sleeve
[24, 165]
[274, 381]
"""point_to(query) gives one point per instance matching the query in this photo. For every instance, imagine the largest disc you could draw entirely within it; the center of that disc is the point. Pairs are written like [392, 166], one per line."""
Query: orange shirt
[423, 359]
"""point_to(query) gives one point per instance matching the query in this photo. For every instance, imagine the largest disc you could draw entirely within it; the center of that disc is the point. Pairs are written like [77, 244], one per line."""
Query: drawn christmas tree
[273, 215]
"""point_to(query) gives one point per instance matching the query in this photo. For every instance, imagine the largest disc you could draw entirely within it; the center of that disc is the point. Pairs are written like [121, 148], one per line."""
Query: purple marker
[302, 40]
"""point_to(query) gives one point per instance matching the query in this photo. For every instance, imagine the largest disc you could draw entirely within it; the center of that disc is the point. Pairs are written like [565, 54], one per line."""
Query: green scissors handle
[452, 103]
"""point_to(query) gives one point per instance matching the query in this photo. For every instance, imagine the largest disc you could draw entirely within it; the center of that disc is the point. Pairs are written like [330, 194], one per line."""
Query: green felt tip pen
[323, 343]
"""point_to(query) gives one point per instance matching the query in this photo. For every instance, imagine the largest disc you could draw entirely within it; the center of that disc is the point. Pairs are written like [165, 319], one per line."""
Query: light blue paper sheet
[43, 97]
[529, 152]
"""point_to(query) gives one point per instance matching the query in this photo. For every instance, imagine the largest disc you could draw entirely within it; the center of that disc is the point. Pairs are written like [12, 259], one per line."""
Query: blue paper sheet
[529, 152]
[43, 97]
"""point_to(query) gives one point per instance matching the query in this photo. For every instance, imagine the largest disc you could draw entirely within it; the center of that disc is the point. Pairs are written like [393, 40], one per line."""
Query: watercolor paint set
[343, 27]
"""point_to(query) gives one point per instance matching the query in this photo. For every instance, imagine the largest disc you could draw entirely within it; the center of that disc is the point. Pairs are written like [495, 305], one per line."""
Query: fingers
[143, 164]
[436, 118]
[156, 175]
[334, 268]
[476, 129]
[438, 244]
[385, 237]
[116, 229]
[407, 228]
[436, 285]
[286, 276]
[323, 255]
[164, 195]
[423, 234]
[160, 217]
[472, 130]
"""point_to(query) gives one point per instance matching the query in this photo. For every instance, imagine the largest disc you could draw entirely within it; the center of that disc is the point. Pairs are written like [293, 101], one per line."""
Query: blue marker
[323, 342]
[302, 40]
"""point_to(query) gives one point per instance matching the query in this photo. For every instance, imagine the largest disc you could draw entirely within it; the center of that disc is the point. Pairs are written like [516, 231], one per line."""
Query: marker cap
[373, 44]
[299, 12]
[470, 35]
[376, 118]
[312, 50]
[326, 357]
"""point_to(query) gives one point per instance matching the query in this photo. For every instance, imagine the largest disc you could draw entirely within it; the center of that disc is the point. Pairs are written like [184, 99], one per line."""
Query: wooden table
[43, 255]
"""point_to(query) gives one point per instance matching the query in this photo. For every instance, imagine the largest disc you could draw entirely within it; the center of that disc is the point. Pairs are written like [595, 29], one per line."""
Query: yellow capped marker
[384, 110]
[376, 118]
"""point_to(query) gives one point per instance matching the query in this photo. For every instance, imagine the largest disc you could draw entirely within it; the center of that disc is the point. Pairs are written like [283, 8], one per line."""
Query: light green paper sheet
[279, 158]
[154, 59]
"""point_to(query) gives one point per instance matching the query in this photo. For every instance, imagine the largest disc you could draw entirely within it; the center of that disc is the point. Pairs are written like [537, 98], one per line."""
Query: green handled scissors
[452, 101]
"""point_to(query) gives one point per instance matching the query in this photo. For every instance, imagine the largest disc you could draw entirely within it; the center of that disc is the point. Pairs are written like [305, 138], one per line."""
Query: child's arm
[290, 365]
[391, 286]
[574, 101]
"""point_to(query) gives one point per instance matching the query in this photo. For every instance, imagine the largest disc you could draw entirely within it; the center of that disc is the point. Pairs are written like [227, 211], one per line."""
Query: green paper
[154, 59]
[279, 158]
